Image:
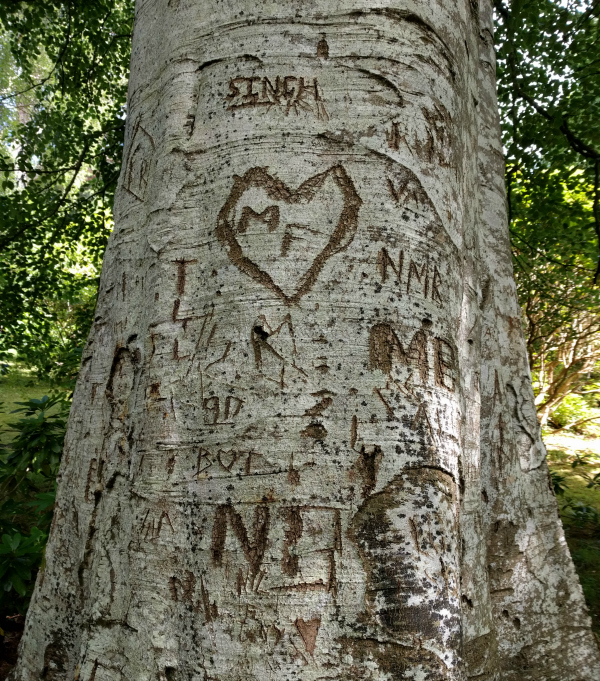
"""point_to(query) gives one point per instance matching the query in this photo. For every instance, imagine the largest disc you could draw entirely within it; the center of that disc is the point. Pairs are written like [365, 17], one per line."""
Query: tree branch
[576, 143]
[575, 423]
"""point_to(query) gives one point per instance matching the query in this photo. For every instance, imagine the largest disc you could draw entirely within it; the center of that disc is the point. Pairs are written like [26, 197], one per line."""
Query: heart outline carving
[276, 190]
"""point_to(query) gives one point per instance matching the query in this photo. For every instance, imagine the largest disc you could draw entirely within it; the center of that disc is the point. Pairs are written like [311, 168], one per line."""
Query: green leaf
[18, 584]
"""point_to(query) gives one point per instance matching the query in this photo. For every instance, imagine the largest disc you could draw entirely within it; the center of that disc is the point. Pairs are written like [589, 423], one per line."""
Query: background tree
[63, 80]
[549, 93]
[63, 115]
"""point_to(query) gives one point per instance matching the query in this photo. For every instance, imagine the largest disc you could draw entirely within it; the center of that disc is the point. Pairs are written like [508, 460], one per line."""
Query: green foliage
[549, 97]
[62, 118]
[593, 480]
[586, 556]
[19, 558]
[550, 102]
[28, 469]
[585, 518]
[56, 354]
[559, 483]
[581, 460]
[574, 409]
[580, 512]
[557, 456]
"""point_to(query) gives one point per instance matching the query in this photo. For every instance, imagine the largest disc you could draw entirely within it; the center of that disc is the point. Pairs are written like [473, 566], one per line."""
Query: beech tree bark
[303, 444]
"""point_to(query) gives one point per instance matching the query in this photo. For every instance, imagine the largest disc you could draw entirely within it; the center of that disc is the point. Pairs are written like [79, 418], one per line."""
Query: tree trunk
[303, 442]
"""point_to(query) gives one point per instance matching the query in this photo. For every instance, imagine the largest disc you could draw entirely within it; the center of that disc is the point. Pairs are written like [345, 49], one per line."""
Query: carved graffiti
[421, 421]
[308, 632]
[262, 244]
[222, 463]
[386, 349]
[219, 411]
[291, 93]
[405, 188]
[138, 162]
[312, 537]
[254, 551]
[206, 352]
[324, 400]
[424, 278]
[434, 143]
[429, 136]
[182, 265]
[323, 47]
[274, 349]
[183, 589]
[394, 137]
[289, 561]
[152, 525]
[444, 364]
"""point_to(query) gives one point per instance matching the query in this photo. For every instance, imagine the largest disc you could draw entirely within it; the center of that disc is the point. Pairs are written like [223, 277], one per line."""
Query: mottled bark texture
[303, 443]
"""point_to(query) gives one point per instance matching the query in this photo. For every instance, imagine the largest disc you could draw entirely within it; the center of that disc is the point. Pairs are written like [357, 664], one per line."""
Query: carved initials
[418, 276]
[254, 552]
[231, 408]
[289, 92]
[385, 347]
[444, 364]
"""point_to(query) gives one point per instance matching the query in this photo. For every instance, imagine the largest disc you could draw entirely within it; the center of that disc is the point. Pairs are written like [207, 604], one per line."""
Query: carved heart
[259, 247]
[227, 458]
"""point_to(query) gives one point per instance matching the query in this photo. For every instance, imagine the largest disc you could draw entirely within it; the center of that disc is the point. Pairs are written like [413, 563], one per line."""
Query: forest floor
[580, 508]
[579, 505]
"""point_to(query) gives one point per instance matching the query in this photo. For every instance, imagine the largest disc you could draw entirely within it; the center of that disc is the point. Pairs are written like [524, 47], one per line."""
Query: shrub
[28, 469]
[558, 482]
[582, 517]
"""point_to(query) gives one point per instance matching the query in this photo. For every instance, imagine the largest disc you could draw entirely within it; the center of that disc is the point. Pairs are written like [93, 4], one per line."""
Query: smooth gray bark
[303, 443]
